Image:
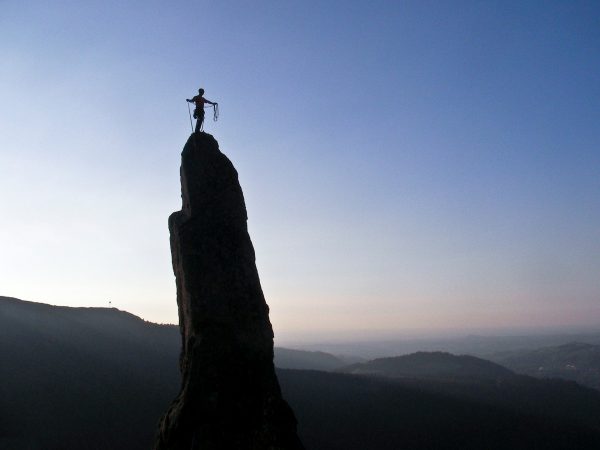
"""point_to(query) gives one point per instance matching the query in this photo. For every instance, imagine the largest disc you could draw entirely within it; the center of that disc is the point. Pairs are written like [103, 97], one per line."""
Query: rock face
[230, 397]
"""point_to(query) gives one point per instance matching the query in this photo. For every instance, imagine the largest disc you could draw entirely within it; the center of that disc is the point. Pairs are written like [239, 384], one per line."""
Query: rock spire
[229, 397]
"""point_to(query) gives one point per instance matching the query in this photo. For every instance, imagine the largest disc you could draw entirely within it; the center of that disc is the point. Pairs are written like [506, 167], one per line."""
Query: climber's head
[201, 91]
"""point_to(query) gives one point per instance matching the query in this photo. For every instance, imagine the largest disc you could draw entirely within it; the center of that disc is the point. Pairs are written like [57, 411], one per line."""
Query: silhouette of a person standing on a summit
[199, 100]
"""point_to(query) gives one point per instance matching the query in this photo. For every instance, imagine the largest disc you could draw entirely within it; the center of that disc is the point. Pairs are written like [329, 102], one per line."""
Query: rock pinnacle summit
[230, 397]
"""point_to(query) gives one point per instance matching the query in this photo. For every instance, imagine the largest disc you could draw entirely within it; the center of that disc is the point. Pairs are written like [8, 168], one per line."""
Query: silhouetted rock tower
[230, 397]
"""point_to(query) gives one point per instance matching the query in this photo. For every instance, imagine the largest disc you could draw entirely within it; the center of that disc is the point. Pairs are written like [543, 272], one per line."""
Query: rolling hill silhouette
[575, 361]
[99, 378]
[430, 365]
[286, 358]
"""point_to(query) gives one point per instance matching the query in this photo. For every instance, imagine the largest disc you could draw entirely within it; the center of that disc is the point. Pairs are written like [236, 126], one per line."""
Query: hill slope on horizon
[430, 365]
[98, 378]
[287, 358]
[577, 361]
[97, 368]
[84, 323]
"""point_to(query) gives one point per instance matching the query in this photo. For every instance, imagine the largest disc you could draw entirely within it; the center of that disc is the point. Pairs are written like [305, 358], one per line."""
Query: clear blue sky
[406, 165]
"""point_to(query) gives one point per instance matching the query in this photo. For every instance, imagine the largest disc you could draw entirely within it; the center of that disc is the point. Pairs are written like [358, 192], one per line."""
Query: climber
[199, 100]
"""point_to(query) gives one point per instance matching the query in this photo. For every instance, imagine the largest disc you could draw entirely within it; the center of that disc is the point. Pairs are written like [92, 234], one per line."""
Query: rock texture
[230, 397]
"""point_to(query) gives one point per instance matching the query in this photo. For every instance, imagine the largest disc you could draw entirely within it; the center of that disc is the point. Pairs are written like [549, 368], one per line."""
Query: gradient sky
[406, 165]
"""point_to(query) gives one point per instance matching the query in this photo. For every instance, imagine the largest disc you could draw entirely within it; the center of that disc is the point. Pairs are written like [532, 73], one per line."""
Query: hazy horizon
[415, 166]
[303, 339]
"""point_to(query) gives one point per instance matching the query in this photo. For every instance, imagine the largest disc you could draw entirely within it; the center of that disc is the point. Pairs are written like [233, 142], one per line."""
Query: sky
[409, 166]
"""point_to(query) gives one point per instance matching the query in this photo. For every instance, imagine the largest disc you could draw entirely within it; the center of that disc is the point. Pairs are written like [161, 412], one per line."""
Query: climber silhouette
[199, 100]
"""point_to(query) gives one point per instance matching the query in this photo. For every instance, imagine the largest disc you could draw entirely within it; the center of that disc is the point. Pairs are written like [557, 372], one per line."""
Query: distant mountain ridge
[430, 365]
[575, 361]
[93, 367]
[85, 325]
[114, 324]
[99, 378]
[477, 345]
[286, 358]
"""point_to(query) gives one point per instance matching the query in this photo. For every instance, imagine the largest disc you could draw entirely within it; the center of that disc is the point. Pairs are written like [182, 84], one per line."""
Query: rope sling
[190, 113]
[215, 115]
